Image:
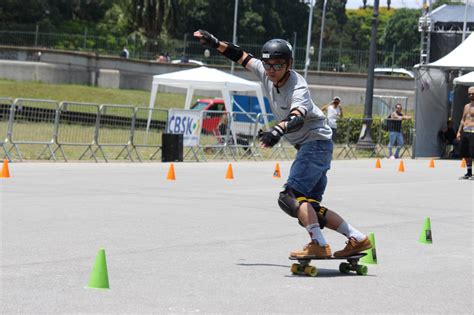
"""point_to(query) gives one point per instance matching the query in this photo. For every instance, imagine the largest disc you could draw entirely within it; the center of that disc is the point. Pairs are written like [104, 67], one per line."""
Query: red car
[211, 120]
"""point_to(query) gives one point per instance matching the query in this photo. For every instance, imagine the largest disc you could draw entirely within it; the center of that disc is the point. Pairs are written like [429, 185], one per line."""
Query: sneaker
[466, 176]
[354, 247]
[392, 157]
[313, 249]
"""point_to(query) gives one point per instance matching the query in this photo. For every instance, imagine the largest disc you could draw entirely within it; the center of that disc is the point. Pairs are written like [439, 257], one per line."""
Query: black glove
[208, 39]
[271, 137]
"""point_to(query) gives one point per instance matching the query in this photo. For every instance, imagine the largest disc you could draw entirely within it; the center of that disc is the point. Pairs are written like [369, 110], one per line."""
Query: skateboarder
[303, 124]
[466, 133]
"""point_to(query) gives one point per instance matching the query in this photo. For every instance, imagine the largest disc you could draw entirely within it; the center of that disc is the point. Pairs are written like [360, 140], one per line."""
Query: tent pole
[154, 90]
[189, 98]
[261, 102]
[465, 20]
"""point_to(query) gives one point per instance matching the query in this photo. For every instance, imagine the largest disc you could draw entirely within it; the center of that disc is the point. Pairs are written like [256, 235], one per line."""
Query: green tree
[402, 33]
[22, 11]
[359, 25]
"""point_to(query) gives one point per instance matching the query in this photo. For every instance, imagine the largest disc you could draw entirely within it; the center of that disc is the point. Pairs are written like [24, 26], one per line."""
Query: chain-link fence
[332, 59]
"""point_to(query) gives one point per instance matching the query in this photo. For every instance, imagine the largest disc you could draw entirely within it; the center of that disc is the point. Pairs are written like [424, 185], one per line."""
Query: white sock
[314, 231]
[348, 231]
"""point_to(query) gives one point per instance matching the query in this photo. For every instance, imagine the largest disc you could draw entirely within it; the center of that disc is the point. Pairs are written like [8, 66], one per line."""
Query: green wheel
[311, 271]
[361, 270]
[344, 267]
[294, 268]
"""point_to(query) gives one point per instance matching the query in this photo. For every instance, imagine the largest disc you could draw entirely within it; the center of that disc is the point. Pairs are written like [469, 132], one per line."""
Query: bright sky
[354, 4]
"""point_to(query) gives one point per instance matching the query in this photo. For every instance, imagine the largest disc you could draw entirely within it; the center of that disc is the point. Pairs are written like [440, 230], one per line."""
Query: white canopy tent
[204, 78]
[436, 98]
[459, 58]
[467, 79]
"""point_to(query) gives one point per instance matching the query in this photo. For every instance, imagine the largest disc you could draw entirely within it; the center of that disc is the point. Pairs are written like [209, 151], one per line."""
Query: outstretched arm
[325, 107]
[229, 50]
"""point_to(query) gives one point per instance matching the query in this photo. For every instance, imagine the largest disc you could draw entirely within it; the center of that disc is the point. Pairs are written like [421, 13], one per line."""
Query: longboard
[304, 268]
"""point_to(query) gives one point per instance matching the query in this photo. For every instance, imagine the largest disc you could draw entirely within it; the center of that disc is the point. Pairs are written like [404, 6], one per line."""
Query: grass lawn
[87, 94]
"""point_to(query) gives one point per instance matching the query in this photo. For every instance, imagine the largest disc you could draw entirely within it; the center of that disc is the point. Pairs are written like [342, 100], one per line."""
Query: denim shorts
[308, 171]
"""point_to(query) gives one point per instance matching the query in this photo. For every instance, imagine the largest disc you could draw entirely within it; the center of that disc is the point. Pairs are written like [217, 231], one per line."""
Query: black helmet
[277, 49]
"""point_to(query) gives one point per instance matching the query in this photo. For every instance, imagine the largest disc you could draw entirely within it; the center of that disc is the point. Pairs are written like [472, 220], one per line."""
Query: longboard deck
[358, 256]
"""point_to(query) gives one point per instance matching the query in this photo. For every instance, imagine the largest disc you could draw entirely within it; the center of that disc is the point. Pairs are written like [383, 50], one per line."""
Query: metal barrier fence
[147, 138]
[34, 122]
[5, 114]
[77, 127]
[215, 134]
[384, 105]
[116, 128]
[243, 137]
[346, 144]
[99, 132]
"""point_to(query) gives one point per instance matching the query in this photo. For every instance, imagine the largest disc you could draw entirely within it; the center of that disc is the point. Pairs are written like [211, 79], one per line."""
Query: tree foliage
[161, 21]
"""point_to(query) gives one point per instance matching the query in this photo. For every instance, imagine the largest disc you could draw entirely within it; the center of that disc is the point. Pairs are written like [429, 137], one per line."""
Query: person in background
[447, 136]
[395, 131]
[125, 54]
[466, 133]
[184, 59]
[334, 112]
[161, 58]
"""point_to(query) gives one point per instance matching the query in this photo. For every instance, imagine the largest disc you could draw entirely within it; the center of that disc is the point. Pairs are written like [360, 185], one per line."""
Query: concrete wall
[53, 66]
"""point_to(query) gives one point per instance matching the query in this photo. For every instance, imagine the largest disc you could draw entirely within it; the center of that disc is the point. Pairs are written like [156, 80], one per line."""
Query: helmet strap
[283, 78]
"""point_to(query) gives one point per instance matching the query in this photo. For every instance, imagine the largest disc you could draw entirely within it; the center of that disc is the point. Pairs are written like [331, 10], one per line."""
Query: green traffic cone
[426, 237]
[99, 278]
[371, 257]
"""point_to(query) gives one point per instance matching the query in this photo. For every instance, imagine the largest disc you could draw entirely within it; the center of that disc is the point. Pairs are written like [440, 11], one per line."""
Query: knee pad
[320, 212]
[287, 200]
[290, 200]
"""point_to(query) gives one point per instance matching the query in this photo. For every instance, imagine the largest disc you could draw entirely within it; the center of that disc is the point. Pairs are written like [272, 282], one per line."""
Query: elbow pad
[247, 59]
[294, 123]
[233, 52]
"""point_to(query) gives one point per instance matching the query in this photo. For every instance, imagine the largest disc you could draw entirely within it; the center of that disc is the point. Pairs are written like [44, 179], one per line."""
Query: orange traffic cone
[377, 164]
[230, 173]
[276, 173]
[432, 165]
[463, 163]
[171, 175]
[401, 167]
[5, 171]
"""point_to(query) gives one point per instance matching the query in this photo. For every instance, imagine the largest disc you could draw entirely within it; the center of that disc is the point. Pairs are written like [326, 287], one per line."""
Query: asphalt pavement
[206, 244]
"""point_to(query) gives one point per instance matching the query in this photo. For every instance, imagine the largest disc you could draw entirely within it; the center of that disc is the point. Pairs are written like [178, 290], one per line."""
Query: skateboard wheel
[344, 267]
[311, 271]
[294, 268]
[361, 270]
